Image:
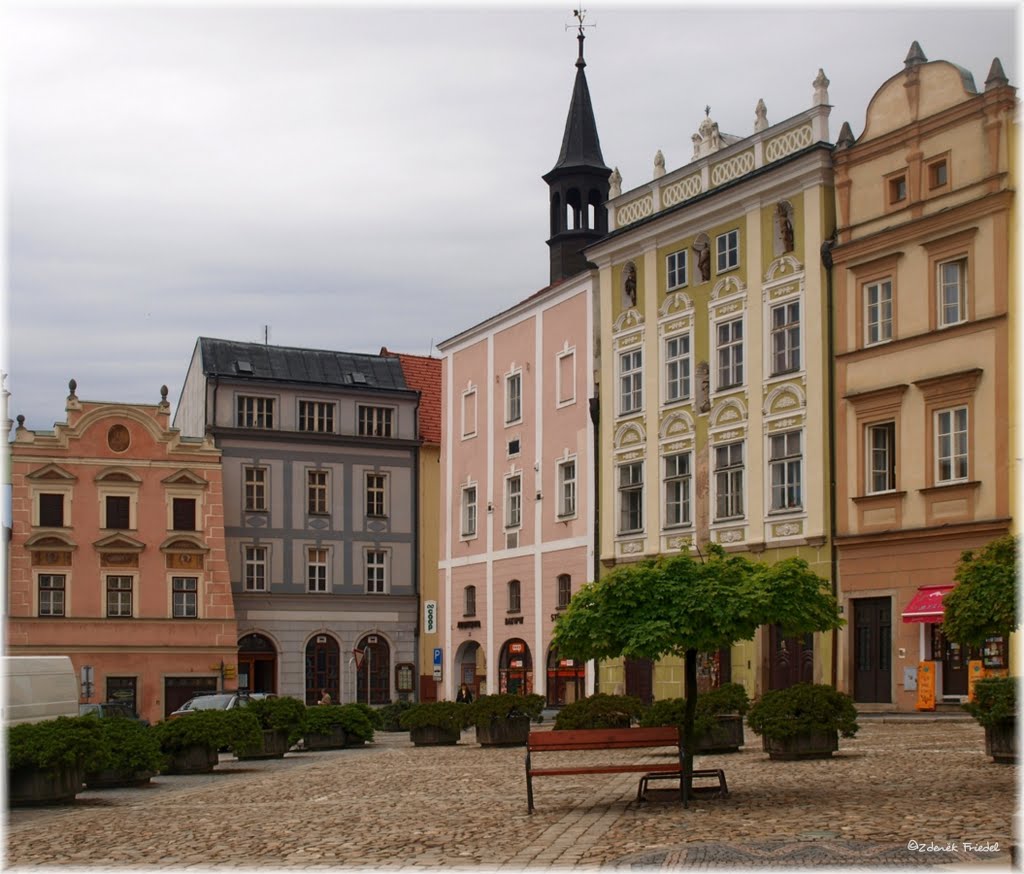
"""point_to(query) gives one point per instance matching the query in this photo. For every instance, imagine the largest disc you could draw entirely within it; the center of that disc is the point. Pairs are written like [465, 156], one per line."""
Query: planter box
[432, 736]
[336, 740]
[274, 746]
[110, 779]
[192, 760]
[812, 745]
[1001, 742]
[29, 786]
[510, 732]
[725, 737]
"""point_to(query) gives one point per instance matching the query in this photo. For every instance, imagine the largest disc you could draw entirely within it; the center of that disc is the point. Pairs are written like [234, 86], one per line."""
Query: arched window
[573, 210]
[323, 657]
[469, 601]
[257, 664]
[515, 668]
[556, 213]
[374, 671]
[514, 596]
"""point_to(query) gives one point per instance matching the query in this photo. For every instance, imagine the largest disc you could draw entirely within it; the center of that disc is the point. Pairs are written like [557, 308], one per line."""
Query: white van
[38, 688]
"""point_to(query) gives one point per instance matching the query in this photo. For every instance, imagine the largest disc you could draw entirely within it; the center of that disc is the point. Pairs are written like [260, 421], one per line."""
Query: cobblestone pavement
[393, 806]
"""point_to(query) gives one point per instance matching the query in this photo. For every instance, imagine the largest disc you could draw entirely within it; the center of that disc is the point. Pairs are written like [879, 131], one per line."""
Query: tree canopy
[984, 601]
[667, 606]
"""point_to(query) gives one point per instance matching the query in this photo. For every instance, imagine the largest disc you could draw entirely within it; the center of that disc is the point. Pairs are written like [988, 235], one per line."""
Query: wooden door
[640, 679]
[872, 650]
[790, 659]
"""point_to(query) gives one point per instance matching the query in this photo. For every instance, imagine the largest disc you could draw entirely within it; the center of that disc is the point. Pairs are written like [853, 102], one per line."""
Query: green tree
[679, 606]
[984, 602]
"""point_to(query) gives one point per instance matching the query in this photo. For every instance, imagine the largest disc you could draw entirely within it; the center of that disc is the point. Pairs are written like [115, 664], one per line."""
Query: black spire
[578, 183]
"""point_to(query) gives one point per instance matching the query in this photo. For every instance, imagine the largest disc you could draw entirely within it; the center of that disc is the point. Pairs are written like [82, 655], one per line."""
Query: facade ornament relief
[821, 84]
[703, 387]
[679, 422]
[630, 434]
[632, 547]
[629, 319]
[615, 183]
[675, 303]
[732, 535]
[659, 164]
[729, 410]
[760, 117]
[787, 529]
[780, 266]
[678, 543]
[727, 286]
[629, 284]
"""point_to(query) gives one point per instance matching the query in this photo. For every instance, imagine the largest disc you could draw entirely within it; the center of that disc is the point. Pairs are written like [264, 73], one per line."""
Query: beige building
[923, 285]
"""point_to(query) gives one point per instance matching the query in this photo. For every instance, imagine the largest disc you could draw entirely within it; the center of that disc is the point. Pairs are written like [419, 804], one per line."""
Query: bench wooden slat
[609, 769]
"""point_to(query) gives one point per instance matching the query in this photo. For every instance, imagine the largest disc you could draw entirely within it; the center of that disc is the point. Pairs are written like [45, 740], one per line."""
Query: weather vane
[580, 13]
[707, 111]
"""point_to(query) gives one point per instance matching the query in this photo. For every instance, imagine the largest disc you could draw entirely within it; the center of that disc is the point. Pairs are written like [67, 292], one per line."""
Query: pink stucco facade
[517, 492]
[117, 555]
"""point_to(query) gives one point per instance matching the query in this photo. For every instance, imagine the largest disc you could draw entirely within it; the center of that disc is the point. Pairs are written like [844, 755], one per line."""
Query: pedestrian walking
[464, 696]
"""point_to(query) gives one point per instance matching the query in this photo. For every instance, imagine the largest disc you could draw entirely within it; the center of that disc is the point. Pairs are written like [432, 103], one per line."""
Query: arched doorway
[565, 680]
[257, 664]
[323, 657]
[469, 667]
[515, 668]
[375, 667]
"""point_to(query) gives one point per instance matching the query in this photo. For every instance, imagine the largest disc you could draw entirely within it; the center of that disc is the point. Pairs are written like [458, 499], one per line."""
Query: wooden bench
[596, 739]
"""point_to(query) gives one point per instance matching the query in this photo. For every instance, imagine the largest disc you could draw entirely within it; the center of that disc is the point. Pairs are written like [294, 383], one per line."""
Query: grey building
[320, 483]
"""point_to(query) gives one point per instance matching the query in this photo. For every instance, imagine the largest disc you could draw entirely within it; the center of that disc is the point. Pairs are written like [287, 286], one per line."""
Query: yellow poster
[975, 672]
[926, 685]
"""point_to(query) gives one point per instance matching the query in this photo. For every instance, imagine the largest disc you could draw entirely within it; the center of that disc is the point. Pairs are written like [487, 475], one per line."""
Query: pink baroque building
[117, 555]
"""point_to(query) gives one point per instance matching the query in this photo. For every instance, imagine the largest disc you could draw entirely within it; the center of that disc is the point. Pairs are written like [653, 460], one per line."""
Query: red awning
[926, 605]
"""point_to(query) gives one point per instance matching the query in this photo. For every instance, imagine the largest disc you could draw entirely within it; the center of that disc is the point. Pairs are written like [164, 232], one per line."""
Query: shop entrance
[323, 656]
[954, 659]
[257, 664]
[466, 668]
[565, 680]
[515, 668]
[872, 650]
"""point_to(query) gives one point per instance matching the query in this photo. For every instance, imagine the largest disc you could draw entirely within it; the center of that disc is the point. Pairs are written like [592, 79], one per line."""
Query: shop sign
[926, 686]
[430, 617]
[517, 648]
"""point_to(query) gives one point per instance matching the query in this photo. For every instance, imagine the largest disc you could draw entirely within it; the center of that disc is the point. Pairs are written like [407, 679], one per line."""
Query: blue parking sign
[437, 656]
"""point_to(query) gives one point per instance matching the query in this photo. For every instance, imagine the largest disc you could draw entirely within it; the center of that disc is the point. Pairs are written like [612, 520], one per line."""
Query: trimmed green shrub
[438, 714]
[128, 747]
[323, 718]
[488, 708]
[390, 714]
[800, 709]
[67, 741]
[600, 711]
[278, 714]
[238, 730]
[995, 701]
[372, 713]
[727, 698]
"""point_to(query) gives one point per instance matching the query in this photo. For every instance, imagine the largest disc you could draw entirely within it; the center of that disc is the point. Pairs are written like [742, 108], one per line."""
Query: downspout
[595, 418]
[826, 261]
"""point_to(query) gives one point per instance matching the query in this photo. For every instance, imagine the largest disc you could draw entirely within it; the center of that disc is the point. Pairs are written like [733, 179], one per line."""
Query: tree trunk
[690, 688]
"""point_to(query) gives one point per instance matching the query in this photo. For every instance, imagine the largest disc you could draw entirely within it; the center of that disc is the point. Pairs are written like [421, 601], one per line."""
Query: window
[785, 320]
[785, 465]
[728, 248]
[469, 601]
[375, 421]
[631, 388]
[376, 571]
[514, 596]
[255, 568]
[730, 353]
[566, 372]
[255, 412]
[878, 312]
[316, 492]
[183, 514]
[951, 445]
[676, 266]
[513, 398]
[564, 591]
[119, 597]
[952, 281]
[469, 413]
[256, 489]
[677, 368]
[567, 488]
[881, 457]
[51, 511]
[376, 492]
[513, 502]
[118, 512]
[677, 490]
[938, 174]
[316, 569]
[184, 597]
[729, 481]
[631, 497]
[469, 511]
[316, 416]
[51, 594]
[897, 189]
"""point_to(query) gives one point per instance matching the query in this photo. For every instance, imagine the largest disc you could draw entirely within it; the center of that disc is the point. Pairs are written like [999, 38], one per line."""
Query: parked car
[111, 709]
[218, 701]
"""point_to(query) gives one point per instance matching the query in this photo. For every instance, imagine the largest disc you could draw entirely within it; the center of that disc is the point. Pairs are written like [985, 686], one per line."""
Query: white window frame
[318, 492]
[514, 501]
[376, 494]
[566, 488]
[878, 298]
[561, 401]
[887, 454]
[469, 600]
[515, 596]
[785, 471]
[377, 572]
[682, 361]
[514, 397]
[730, 481]
[318, 575]
[677, 488]
[316, 417]
[789, 333]
[561, 590]
[469, 398]
[630, 491]
[952, 432]
[119, 590]
[255, 560]
[676, 267]
[254, 411]
[374, 420]
[960, 286]
[259, 488]
[727, 251]
[735, 365]
[182, 611]
[468, 514]
[62, 492]
[631, 381]
[65, 598]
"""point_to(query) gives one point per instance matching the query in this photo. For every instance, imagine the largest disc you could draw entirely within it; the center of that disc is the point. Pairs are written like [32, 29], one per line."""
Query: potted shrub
[803, 721]
[600, 711]
[130, 754]
[191, 742]
[46, 760]
[436, 722]
[504, 720]
[372, 713]
[995, 707]
[391, 713]
[279, 719]
[718, 720]
[333, 726]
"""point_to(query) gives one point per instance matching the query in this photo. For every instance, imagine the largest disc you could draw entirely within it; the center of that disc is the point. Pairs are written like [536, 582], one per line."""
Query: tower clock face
[118, 438]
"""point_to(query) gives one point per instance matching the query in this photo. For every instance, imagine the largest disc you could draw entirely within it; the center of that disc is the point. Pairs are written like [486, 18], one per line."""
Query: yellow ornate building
[714, 357]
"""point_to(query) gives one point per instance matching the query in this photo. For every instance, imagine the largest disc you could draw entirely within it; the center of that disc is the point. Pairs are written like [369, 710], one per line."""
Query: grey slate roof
[257, 361]
[581, 146]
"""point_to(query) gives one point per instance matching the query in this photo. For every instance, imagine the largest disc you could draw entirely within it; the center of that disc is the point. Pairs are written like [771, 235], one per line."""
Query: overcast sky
[353, 178]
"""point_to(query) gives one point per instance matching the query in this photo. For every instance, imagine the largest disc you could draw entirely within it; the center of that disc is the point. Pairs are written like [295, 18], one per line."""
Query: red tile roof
[423, 374]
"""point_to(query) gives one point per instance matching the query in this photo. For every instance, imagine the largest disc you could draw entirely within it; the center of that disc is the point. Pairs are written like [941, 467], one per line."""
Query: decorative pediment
[676, 425]
[50, 541]
[117, 475]
[784, 399]
[51, 473]
[179, 542]
[119, 543]
[787, 265]
[731, 411]
[185, 478]
[630, 319]
[678, 302]
[630, 434]
[727, 286]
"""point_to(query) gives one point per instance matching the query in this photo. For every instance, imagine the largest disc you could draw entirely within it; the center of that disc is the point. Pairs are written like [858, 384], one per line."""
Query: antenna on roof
[266, 335]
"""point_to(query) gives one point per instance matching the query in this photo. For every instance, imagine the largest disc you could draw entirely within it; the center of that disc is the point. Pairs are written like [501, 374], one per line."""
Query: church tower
[578, 183]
